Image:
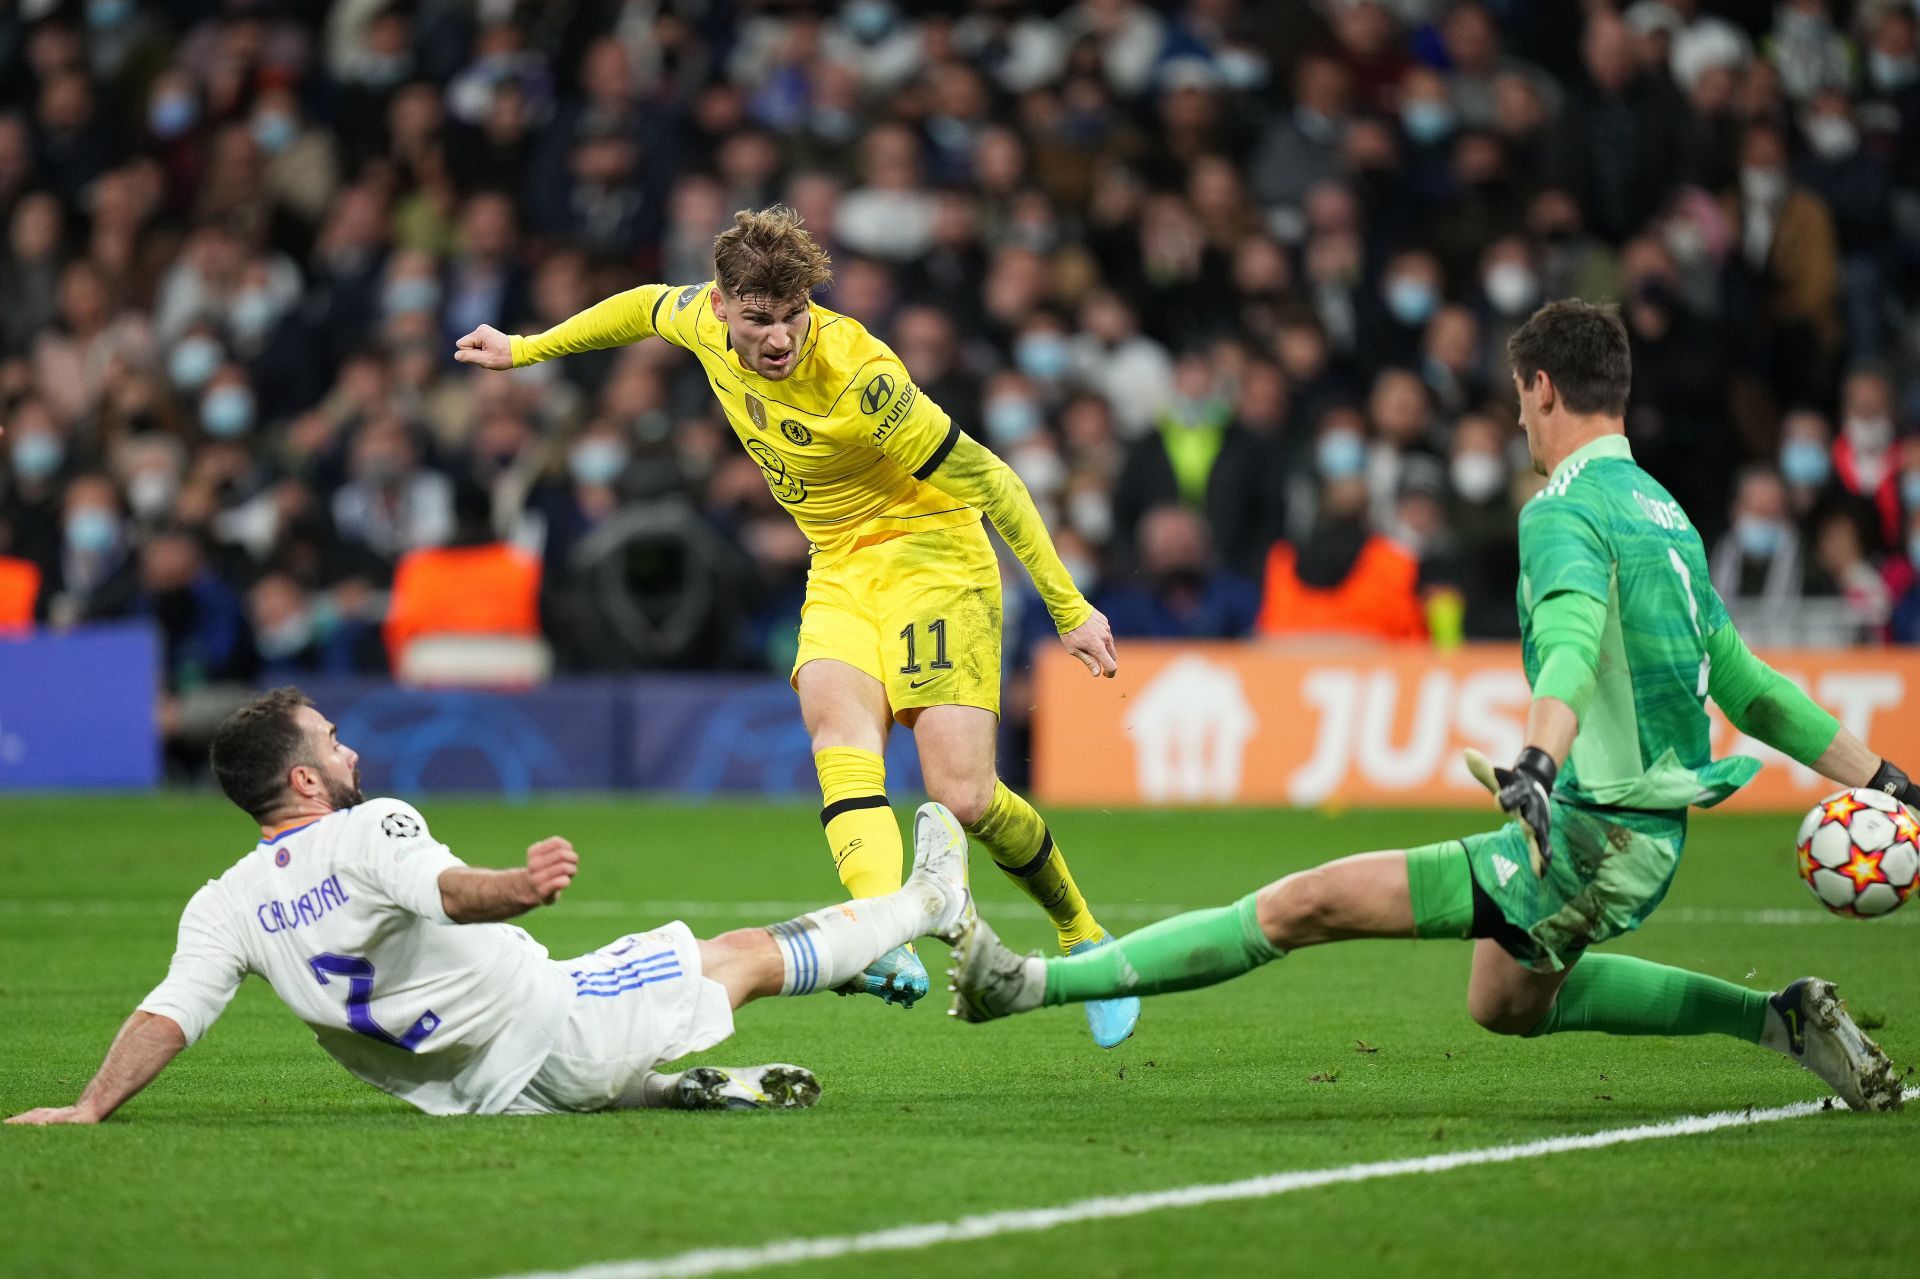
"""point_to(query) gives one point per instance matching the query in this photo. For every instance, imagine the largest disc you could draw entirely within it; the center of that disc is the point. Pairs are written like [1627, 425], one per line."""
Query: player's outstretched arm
[471, 895]
[142, 1049]
[1766, 705]
[971, 473]
[616, 321]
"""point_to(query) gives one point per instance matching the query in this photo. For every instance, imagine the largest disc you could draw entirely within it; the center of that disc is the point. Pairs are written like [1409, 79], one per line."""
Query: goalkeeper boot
[776, 1087]
[1809, 1023]
[1111, 1020]
[991, 981]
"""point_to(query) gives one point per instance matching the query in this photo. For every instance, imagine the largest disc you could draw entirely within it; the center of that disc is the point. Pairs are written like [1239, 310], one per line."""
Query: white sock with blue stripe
[829, 948]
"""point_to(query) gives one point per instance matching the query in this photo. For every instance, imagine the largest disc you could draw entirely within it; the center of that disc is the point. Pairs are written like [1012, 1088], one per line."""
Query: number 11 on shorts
[937, 632]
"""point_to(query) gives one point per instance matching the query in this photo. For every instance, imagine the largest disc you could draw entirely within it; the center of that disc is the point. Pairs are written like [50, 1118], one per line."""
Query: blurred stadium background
[1226, 281]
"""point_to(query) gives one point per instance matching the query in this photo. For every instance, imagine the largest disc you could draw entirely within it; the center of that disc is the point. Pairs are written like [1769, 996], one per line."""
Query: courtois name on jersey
[343, 918]
[1604, 528]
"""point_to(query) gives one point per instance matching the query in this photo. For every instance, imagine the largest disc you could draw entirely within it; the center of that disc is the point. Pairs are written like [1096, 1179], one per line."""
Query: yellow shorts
[919, 612]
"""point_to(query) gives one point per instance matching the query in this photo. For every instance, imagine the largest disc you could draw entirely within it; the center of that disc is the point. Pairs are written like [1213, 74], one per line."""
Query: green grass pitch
[255, 1154]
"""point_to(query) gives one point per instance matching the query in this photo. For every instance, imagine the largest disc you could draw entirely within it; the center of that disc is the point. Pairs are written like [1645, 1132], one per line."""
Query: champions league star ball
[1860, 853]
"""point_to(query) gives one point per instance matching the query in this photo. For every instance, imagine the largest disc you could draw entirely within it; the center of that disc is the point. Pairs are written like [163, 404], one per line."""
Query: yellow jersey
[846, 441]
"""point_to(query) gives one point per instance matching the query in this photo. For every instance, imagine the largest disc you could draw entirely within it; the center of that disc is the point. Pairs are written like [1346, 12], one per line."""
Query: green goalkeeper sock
[1621, 995]
[1200, 948]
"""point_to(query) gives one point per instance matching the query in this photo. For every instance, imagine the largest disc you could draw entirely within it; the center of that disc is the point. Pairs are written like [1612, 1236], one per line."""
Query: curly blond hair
[769, 254]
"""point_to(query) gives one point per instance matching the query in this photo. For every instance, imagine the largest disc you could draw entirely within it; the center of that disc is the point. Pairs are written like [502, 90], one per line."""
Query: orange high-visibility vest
[19, 588]
[1379, 597]
[465, 590]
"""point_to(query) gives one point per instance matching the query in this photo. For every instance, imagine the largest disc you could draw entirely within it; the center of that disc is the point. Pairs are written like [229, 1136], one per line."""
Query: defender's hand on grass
[1092, 643]
[551, 866]
[47, 1115]
[486, 346]
[1526, 791]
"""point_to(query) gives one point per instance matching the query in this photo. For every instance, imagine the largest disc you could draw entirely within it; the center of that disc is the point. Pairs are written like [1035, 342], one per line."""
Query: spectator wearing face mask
[1343, 578]
[1758, 565]
[1337, 451]
[1509, 281]
[1428, 120]
[1480, 511]
[1177, 591]
[1891, 107]
[596, 463]
[1392, 319]
[1198, 456]
[1863, 456]
[30, 500]
[1806, 464]
[94, 573]
[226, 405]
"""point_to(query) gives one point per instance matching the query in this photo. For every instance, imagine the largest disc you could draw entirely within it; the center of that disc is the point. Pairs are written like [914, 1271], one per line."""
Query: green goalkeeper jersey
[1606, 529]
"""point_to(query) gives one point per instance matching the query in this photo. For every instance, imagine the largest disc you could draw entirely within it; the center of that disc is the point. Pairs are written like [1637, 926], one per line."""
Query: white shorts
[638, 1003]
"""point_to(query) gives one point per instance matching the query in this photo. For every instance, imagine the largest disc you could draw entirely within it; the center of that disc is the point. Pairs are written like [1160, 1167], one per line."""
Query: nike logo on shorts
[921, 682]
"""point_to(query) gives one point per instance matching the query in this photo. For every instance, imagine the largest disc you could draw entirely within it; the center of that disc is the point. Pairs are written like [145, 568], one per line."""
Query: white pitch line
[659, 910]
[727, 1261]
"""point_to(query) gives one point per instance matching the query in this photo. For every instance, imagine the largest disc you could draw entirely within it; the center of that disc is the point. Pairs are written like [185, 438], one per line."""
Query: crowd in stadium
[1226, 281]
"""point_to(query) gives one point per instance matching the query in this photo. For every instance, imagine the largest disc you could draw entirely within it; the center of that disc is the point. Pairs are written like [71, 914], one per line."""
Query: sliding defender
[393, 950]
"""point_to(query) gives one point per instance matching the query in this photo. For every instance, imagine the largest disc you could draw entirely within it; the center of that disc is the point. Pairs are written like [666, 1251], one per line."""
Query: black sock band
[851, 804]
[1032, 867]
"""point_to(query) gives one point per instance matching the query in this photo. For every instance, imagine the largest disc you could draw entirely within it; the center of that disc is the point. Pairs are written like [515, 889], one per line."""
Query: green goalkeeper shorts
[1610, 869]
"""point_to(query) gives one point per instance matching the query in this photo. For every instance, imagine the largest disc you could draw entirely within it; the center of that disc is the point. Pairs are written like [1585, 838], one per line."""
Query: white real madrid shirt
[343, 918]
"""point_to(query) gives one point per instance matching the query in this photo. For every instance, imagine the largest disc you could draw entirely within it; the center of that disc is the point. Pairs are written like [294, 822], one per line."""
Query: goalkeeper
[1623, 639]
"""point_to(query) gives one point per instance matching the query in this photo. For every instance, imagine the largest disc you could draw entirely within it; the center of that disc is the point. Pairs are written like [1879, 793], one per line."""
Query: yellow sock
[861, 831]
[1023, 847]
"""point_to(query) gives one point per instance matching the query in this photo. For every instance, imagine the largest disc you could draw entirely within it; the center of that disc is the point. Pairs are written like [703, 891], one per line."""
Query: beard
[347, 794]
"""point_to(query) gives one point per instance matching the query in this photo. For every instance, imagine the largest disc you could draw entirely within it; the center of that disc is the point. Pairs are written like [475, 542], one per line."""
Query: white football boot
[940, 858]
[1809, 1023]
[990, 980]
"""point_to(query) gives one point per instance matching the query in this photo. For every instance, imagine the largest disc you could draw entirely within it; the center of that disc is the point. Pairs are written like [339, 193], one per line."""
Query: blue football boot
[1111, 1020]
[898, 977]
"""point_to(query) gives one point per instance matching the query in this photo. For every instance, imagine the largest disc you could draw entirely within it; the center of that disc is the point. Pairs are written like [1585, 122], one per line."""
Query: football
[1860, 853]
